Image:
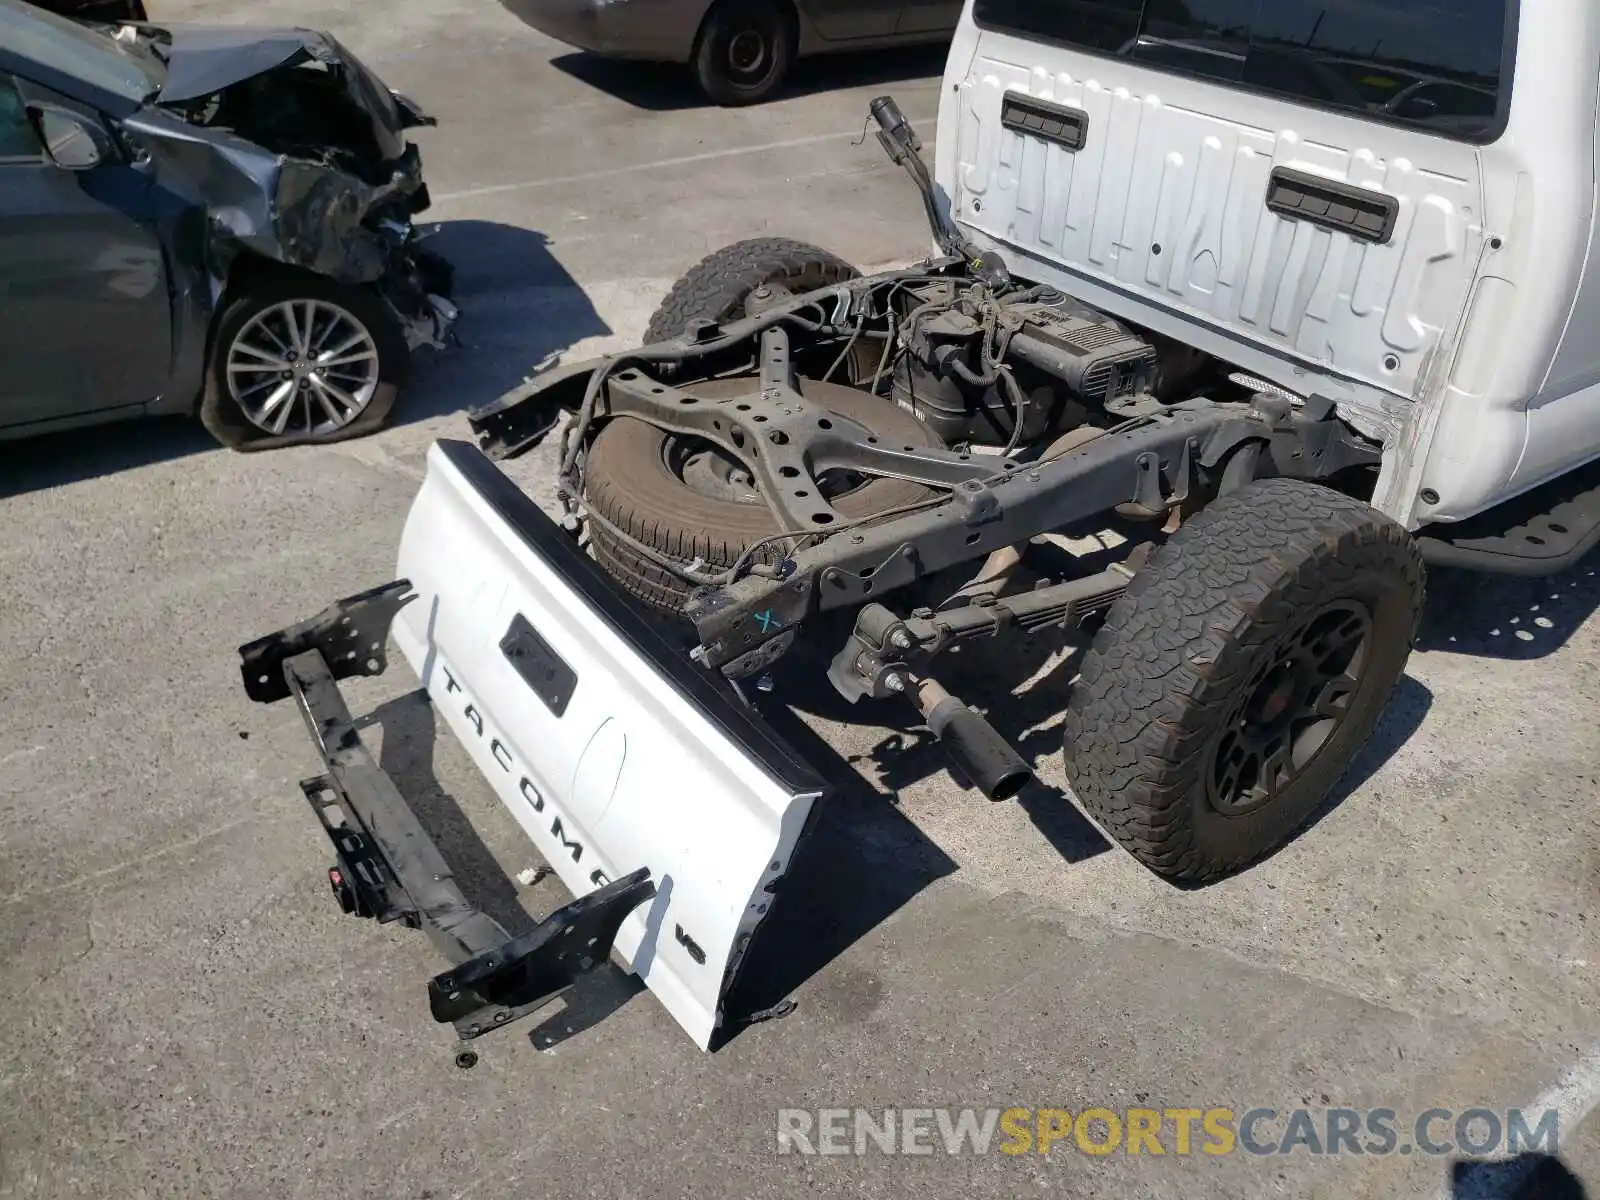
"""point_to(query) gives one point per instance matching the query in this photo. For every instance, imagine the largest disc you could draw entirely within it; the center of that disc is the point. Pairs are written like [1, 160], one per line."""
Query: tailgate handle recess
[1059, 124]
[541, 668]
[1366, 214]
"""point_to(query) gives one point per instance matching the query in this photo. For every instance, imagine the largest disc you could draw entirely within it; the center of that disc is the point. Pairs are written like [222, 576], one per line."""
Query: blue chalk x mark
[768, 621]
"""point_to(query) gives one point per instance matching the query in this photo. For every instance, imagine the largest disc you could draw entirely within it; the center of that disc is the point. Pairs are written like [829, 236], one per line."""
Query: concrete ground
[188, 1015]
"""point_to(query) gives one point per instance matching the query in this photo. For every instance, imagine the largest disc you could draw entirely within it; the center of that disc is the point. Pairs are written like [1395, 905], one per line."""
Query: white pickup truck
[1292, 296]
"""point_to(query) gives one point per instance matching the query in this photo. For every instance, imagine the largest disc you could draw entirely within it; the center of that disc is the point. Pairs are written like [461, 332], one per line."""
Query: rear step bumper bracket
[387, 867]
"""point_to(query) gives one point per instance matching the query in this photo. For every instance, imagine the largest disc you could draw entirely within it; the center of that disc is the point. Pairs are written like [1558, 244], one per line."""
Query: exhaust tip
[978, 751]
[1009, 785]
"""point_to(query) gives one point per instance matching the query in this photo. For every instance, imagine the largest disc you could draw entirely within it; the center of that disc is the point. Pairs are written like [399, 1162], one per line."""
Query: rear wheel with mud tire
[1233, 684]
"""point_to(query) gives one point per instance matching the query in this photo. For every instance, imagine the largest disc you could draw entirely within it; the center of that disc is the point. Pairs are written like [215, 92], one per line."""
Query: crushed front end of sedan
[276, 169]
[297, 151]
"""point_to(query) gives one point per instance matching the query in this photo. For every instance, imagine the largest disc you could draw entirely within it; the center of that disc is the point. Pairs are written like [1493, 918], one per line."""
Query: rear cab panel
[1200, 124]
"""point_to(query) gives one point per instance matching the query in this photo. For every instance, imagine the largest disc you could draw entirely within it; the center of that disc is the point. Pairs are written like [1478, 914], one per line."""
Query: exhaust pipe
[974, 745]
[998, 568]
[991, 578]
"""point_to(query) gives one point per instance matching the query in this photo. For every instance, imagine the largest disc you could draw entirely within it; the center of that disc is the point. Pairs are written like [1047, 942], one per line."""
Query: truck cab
[1392, 206]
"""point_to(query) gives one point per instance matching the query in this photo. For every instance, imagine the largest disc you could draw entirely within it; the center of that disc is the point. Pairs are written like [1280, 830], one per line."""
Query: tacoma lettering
[560, 836]
[531, 794]
[535, 798]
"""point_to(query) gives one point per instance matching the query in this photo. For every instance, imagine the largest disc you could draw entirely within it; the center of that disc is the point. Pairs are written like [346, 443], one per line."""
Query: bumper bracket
[387, 868]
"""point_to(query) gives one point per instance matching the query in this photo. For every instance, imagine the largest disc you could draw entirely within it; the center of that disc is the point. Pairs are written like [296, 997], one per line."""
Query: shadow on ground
[406, 755]
[1505, 617]
[1021, 689]
[859, 864]
[519, 307]
[1525, 1177]
[58, 459]
[659, 87]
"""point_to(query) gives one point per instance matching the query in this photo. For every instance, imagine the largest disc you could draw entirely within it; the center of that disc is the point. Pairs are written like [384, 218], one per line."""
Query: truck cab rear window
[1434, 65]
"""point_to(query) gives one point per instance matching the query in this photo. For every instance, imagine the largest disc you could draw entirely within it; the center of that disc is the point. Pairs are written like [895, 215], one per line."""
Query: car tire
[744, 51]
[636, 479]
[718, 286]
[254, 317]
[1235, 681]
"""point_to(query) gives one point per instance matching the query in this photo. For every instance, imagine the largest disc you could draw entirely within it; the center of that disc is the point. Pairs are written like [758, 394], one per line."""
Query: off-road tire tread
[1159, 670]
[714, 289]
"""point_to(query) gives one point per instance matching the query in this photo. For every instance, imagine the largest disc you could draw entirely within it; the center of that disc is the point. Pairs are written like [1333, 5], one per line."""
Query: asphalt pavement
[188, 1015]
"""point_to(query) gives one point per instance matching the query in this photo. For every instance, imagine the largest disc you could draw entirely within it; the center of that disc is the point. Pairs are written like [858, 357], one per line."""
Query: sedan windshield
[67, 47]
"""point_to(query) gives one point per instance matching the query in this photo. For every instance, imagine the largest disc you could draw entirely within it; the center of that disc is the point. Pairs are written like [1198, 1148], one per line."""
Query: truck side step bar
[1542, 532]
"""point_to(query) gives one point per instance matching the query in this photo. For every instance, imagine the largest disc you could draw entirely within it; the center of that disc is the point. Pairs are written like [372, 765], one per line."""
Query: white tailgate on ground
[610, 748]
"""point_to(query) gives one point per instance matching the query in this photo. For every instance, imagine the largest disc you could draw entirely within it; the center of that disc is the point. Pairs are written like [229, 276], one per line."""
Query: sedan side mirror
[73, 142]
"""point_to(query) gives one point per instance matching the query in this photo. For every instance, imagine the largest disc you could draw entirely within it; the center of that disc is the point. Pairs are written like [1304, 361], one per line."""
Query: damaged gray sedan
[215, 221]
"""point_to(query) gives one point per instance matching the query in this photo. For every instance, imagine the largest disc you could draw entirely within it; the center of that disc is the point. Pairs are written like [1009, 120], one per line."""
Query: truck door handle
[1059, 124]
[1365, 214]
